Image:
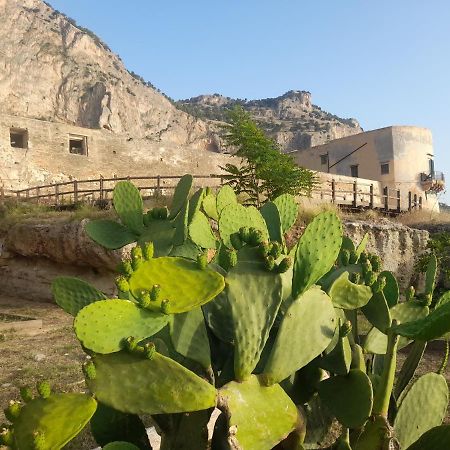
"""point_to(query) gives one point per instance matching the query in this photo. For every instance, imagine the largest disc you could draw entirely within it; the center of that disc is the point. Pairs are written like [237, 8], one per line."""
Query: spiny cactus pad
[423, 407]
[339, 359]
[73, 294]
[438, 438]
[189, 336]
[102, 326]
[225, 197]
[288, 209]
[210, 206]
[430, 276]
[200, 231]
[391, 290]
[317, 251]
[258, 417]
[255, 296]
[377, 312]
[161, 233]
[235, 216]
[181, 194]
[348, 397]
[134, 384]
[362, 245]
[109, 234]
[348, 295]
[181, 225]
[433, 326]
[273, 221]
[306, 330]
[376, 341]
[128, 205]
[59, 418]
[182, 282]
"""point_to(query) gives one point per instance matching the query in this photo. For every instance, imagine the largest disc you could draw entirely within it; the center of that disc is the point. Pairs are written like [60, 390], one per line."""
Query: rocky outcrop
[291, 119]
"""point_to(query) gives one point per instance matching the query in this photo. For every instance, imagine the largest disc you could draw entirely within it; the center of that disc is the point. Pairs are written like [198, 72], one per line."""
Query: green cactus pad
[210, 206]
[288, 210]
[128, 205]
[317, 251]
[226, 196]
[180, 195]
[391, 291]
[377, 312]
[423, 407]
[438, 438]
[120, 445]
[59, 418]
[187, 250]
[200, 231]
[362, 245]
[347, 295]
[430, 276]
[181, 225]
[109, 234]
[255, 296]
[195, 202]
[433, 326]
[327, 280]
[189, 336]
[102, 326]
[338, 361]
[72, 294]
[305, 332]
[109, 425]
[376, 341]
[233, 217]
[273, 221]
[259, 417]
[182, 282]
[161, 233]
[347, 244]
[348, 397]
[136, 385]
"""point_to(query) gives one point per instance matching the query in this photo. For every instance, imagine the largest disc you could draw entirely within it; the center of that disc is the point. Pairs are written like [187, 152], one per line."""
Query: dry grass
[424, 217]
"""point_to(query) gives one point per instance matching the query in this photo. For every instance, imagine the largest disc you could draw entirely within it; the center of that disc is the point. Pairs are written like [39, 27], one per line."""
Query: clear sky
[383, 62]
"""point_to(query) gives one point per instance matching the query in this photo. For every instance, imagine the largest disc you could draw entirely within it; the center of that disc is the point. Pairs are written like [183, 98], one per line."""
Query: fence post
[371, 196]
[409, 201]
[75, 191]
[399, 201]
[420, 202]
[386, 198]
[101, 187]
[415, 201]
[38, 193]
[57, 194]
[333, 191]
[158, 186]
[355, 194]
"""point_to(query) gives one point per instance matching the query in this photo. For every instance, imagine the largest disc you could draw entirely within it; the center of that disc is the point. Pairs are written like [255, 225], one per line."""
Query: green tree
[265, 172]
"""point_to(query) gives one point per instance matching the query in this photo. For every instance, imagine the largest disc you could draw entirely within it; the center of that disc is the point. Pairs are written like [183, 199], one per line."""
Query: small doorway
[354, 171]
[18, 138]
[78, 145]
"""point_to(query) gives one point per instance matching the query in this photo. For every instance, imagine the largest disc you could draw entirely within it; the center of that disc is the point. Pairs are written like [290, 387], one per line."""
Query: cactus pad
[305, 332]
[338, 361]
[255, 296]
[182, 282]
[109, 234]
[317, 251]
[273, 221]
[72, 294]
[348, 397]
[225, 197]
[259, 417]
[438, 438]
[362, 245]
[210, 206]
[161, 233]
[391, 290]
[377, 312]
[128, 205]
[189, 336]
[430, 276]
[180, 195]
[120, 445]
[136, 385]
[102, 326]
[288, 210]
[59, 418]
[200, 231]
[347, 295]
[423, 407]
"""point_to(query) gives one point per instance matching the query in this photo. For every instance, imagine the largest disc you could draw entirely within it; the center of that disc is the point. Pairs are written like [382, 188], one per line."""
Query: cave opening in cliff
[78, 145]
[18, 138]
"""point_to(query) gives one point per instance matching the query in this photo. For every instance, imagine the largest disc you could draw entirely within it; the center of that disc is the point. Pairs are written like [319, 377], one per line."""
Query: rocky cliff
[53, 69]
[291, 119]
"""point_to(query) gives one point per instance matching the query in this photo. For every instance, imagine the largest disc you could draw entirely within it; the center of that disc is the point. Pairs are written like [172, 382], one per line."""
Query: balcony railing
[433, 176]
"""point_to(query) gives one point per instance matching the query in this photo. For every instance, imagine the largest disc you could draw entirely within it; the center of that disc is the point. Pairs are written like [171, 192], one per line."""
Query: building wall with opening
[56, 152]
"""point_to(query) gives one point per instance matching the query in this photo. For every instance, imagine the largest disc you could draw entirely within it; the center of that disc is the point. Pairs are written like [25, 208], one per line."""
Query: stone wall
[33, 254]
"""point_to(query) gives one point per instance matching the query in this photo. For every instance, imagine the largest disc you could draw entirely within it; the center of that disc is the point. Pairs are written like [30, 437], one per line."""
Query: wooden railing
[351, 194]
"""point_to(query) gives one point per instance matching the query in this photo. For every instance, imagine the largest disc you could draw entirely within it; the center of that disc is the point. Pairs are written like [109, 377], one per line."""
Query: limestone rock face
[52, 70]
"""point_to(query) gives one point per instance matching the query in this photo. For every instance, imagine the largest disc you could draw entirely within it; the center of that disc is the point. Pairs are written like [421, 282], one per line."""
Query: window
[78, 145]
[384, 168]
[354, 171]
[324, 159]
[18, 138]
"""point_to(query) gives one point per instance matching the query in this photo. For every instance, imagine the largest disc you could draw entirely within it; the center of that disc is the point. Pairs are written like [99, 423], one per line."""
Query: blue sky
[381, 62]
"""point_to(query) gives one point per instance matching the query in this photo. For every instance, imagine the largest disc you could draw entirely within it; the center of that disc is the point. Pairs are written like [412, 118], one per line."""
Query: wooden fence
[350, 194]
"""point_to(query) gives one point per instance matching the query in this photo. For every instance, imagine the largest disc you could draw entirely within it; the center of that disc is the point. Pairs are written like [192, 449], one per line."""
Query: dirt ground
[54, 354]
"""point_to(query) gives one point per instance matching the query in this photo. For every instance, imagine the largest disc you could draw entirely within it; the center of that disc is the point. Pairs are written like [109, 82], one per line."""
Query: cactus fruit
[122, 284]
[102, 326]
[26, 394]
[269, 263]
[89, 370]
[109, 234]
[250, 424]
[12, 412]
[43, 388]
[202, 260]
[317, 251]
[228, 258]
[133, 384]
[288, 210]
[72, 294]
[344, 257]
[348, 295]
[370, 278]
[353, 257]
[309, 324]
[284, 265]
